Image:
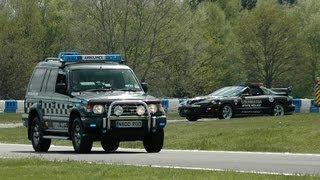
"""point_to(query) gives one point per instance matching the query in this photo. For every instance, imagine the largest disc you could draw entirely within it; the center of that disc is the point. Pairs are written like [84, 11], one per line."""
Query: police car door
[251, 103]
[58, 108]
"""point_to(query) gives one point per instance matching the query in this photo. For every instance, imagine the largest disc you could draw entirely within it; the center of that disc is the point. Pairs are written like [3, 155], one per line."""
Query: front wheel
[81, 144]
[278, 110]
[109, 145]
[226, 112]
[153, 142]
[38, 143]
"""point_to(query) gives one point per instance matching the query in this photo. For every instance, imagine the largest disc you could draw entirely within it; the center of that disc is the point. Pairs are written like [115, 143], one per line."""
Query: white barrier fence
[170, 105]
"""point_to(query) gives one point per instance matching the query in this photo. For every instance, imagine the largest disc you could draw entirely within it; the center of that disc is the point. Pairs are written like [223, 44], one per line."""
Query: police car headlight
[214, 102]
[140, 110]
[153, 108]
[98, 109]
[118, 110]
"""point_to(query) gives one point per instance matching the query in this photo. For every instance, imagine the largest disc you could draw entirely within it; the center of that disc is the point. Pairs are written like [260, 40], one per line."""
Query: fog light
[140, 110]
[118, 110]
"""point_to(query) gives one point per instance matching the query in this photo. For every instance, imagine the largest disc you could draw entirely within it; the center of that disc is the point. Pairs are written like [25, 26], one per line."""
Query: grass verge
[298, 133]
[42, 169]
[10, 118]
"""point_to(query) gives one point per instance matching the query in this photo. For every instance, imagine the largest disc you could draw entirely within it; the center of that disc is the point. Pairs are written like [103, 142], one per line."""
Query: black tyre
[277, 110]
[109, 145]
[38, 143]
[81, 144]
[192, 118]
[226, 112]
[153, 142]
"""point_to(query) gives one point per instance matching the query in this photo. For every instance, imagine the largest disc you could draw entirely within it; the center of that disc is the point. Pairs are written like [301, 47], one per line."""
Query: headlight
[153, 108]
[140, 110]
[98, 109]
[118, 110]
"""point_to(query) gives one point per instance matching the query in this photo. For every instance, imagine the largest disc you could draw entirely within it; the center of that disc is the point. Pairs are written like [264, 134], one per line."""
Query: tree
[145, 32]
[268, 38]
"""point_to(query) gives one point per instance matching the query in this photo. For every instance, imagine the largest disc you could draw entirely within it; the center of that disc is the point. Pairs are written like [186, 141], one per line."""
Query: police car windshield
[228, 91]
[92, 80]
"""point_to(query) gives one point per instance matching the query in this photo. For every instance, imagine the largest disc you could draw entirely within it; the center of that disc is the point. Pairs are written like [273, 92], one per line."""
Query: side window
[37, 80]
[61, 85]
[257, 92]
[51, 84]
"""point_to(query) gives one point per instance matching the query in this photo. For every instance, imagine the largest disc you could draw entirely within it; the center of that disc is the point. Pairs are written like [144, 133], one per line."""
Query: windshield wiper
[126, 89]
[97, 90]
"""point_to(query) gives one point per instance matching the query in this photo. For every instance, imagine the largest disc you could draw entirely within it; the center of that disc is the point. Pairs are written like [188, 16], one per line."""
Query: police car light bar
[75, 57]
[61, 54]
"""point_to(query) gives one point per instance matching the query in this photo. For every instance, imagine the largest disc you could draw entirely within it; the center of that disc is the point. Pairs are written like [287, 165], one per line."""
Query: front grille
[128, 109]
[129, 113]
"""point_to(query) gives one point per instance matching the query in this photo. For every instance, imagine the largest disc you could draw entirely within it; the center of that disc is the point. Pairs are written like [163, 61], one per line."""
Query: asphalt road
[269, 163]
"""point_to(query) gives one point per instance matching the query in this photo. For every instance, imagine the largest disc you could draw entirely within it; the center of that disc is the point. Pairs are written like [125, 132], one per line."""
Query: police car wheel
[109, 145]
[192, 118]
[226, 112]
[80, 143]
[38, 143]
[153, 142]
[278, 110]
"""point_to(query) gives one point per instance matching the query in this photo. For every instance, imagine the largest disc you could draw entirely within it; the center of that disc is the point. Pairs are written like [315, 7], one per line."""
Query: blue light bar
[162, 124]
[100, 57]
[93, 125]
[61, 54]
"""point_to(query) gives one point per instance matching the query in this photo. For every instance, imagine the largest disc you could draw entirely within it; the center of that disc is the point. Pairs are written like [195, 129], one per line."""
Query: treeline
[181, 48]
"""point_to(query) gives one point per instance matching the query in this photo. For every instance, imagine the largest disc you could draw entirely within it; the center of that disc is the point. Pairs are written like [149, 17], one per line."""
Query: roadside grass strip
[6, 118]
[35, 168]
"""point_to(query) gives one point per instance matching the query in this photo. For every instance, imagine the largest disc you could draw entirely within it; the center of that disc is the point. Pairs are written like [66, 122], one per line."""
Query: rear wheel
[226, 112]
[109, 145]
[278, 110]
[81, 144]
[38, 143]
[153, 142]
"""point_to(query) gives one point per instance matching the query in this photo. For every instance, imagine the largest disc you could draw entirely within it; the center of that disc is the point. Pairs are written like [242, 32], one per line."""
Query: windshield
[103, 80]
[228, 91]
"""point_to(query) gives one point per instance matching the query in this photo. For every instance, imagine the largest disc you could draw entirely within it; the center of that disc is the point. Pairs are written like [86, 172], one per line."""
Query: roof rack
[52, 59]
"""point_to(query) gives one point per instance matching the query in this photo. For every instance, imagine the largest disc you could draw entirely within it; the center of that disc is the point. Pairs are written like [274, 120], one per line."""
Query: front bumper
[199, 111]
[97, 127]
[290, 109]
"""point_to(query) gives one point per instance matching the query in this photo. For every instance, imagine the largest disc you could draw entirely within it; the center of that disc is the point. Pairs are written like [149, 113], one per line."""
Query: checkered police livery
[49, 109]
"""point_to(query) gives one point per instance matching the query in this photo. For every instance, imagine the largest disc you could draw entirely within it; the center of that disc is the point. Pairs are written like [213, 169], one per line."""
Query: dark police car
[248, 99]
[86, 98]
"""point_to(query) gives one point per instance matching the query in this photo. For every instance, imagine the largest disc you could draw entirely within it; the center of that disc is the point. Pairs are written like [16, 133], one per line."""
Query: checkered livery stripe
[52, 109]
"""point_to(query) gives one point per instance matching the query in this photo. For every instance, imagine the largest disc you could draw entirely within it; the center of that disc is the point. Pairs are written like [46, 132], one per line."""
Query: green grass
[43, 169]
[10, 118]
[174, 116]
[293, 133]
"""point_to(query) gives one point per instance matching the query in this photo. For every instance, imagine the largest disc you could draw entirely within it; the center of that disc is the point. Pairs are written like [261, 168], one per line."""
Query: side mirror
[144, 86]
[61, 88]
